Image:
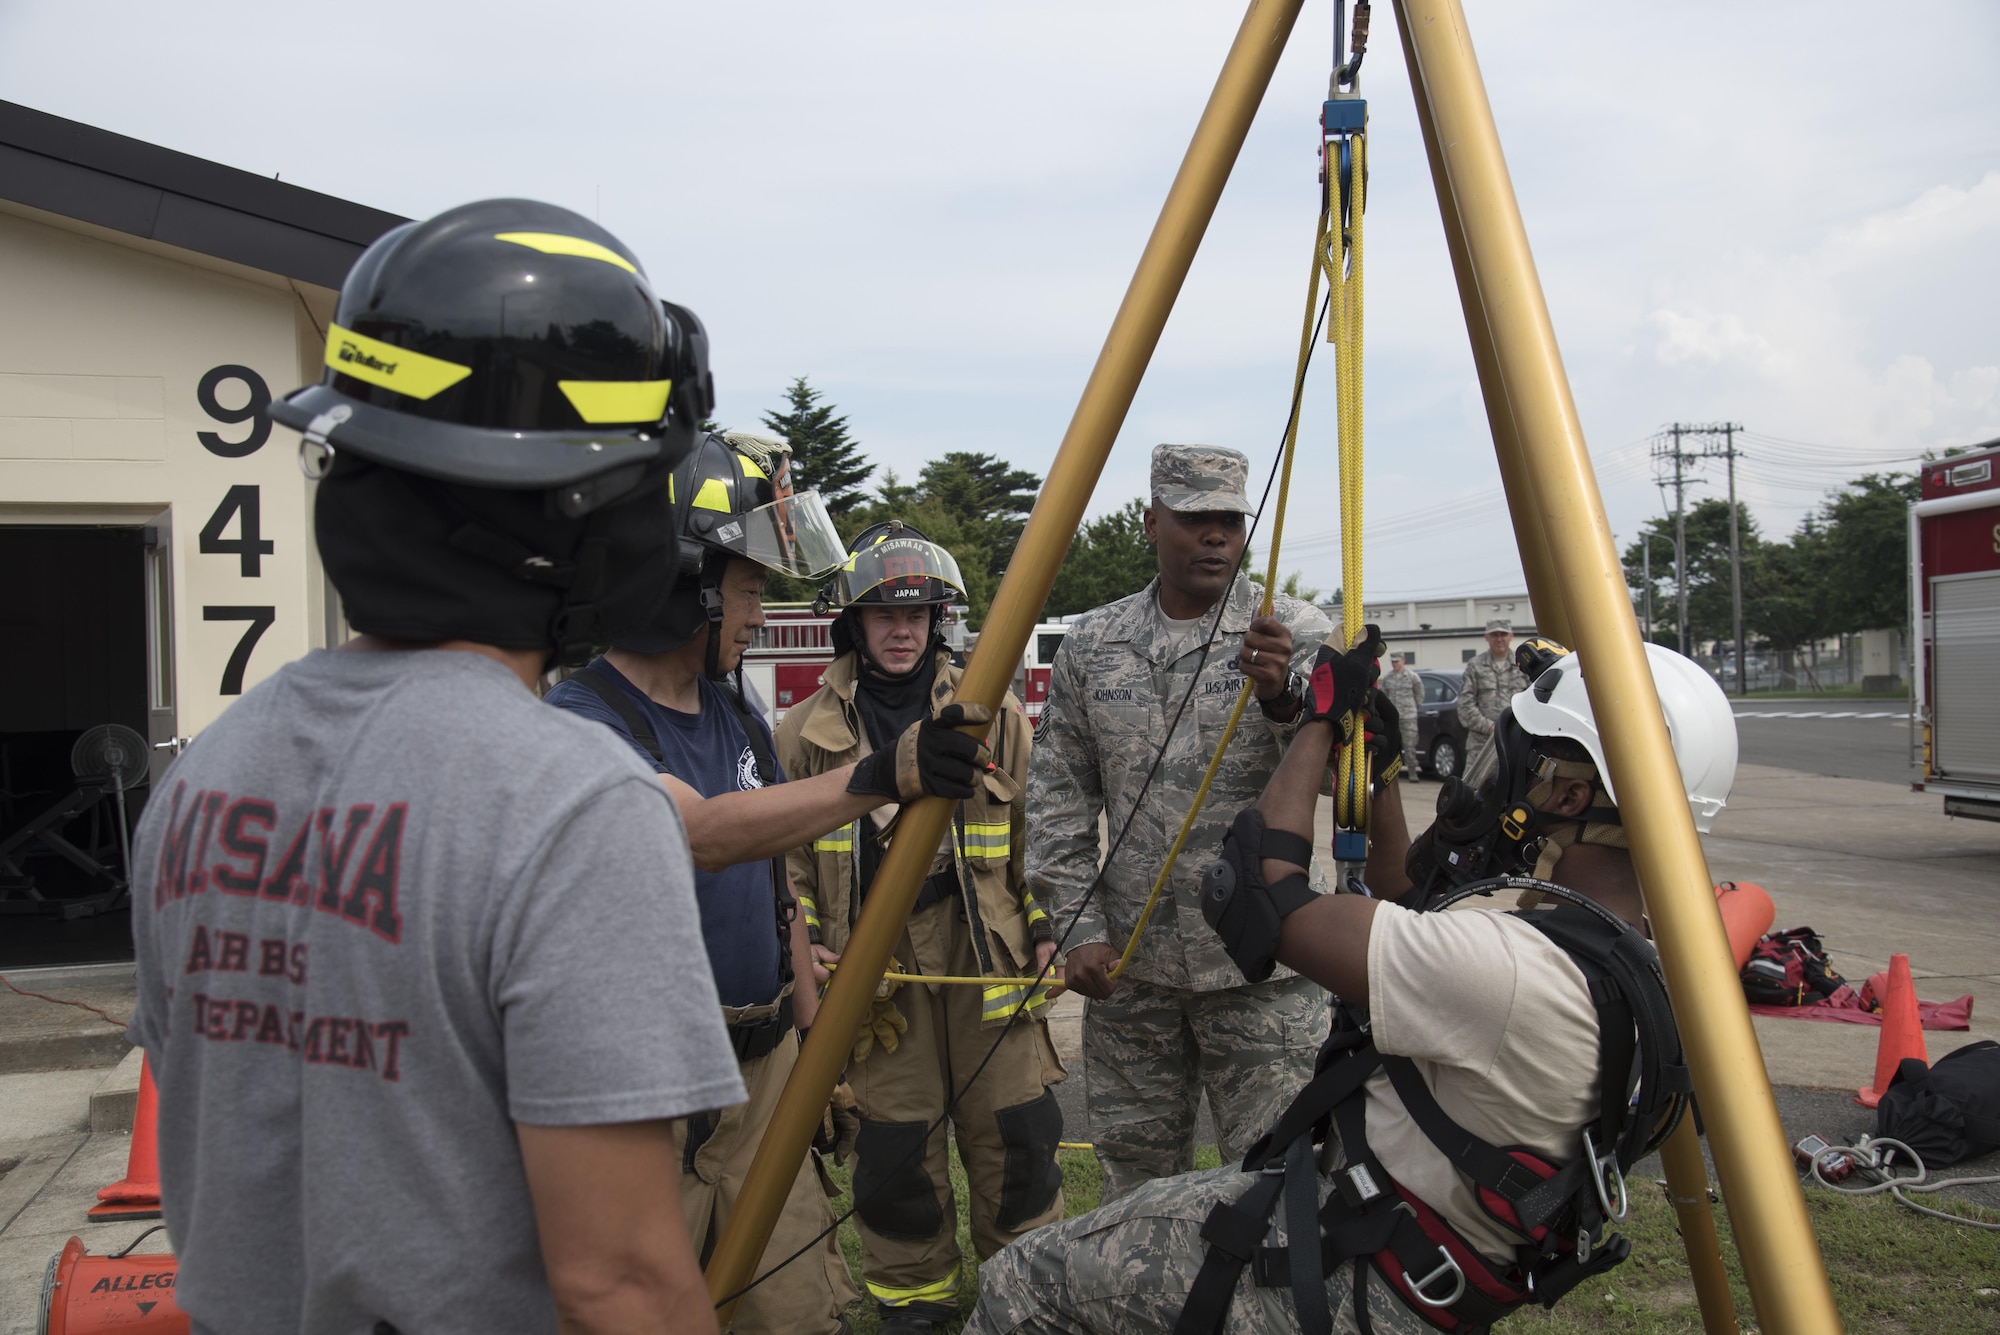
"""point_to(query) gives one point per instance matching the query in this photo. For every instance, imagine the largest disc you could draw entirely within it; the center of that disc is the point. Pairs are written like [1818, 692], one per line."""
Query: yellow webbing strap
[1344, 330]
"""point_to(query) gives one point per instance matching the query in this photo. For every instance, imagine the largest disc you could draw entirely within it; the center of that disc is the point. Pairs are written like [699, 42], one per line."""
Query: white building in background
[1443, 633]
[155, 528]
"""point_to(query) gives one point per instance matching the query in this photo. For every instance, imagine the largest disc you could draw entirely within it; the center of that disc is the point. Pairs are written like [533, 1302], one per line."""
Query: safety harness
[1560, 1210]
[758, 1038]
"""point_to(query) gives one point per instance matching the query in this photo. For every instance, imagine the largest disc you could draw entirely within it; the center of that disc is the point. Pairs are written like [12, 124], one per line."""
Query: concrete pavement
[1873, 867]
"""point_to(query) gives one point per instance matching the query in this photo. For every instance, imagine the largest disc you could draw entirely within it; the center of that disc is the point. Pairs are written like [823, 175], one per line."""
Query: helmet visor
[793, 535]
[901, 568]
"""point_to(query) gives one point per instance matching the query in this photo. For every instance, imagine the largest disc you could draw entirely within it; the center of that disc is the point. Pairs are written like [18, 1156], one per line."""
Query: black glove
[1340, 682]
[1243, 910]
[1383, 725]
[1537, 655]
[930, 759]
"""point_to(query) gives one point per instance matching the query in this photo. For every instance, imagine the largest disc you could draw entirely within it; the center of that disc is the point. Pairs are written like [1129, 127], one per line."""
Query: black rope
[1013, 1016]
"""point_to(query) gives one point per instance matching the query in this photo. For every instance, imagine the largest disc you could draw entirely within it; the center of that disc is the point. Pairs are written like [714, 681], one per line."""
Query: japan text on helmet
[892, 565]
[731, 499]
[1699, 721]
[503, 397]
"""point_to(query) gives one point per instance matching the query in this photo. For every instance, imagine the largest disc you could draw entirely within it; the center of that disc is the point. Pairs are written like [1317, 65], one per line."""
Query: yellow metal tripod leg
[1107, 396]
[1781, 1259]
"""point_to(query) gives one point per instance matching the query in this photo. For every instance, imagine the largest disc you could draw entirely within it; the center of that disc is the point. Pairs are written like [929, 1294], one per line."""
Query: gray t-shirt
[389, 905]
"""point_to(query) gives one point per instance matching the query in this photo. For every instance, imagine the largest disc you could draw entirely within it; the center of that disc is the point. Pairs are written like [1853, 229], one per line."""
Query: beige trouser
[806, 1297]
[1007, 1124]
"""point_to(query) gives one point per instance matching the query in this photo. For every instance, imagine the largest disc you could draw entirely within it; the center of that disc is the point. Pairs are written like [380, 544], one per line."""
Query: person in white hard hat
[1546, 1031]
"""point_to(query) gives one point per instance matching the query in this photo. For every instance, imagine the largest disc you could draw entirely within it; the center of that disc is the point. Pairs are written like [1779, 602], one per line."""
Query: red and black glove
[1342, 682]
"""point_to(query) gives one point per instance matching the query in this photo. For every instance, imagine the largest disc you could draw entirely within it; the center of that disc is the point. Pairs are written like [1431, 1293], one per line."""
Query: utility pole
[1682, 457]
[1680, 534]
[1646, 564]
[1729, 430]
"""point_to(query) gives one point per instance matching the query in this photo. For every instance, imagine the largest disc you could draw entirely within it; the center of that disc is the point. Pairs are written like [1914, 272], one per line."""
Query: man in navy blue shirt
[666, 690]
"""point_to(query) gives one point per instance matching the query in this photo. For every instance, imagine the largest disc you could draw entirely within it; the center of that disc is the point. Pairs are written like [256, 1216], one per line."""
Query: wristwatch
[1294, 694]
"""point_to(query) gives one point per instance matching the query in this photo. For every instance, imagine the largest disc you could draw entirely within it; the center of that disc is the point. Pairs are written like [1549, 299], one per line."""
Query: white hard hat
[1699, 720]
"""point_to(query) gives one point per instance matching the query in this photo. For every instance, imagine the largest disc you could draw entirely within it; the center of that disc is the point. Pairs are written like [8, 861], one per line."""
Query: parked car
[1440, 736]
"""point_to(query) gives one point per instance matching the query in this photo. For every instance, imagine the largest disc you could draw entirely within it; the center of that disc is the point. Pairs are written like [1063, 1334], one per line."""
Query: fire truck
[788, 654]
[1032, 685]
[1955, 615]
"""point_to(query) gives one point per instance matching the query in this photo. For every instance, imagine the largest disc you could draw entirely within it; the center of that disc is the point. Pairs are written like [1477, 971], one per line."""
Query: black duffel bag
[1945, 1112]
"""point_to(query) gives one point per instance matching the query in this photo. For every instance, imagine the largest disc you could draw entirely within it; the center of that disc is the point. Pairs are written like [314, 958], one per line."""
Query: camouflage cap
[1199, 478]
[1498, 624]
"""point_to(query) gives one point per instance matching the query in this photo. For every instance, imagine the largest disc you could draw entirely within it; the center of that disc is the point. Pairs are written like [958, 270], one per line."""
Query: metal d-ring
[1449, 1267]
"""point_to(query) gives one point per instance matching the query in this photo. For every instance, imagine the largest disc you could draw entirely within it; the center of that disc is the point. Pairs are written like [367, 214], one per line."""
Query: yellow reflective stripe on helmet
[391, 367]
[837, 841]
[712, 496]
[987, 840]
[943, 1291]
[555, 243]
[749, 466]
[998, 1001]
[617, 400]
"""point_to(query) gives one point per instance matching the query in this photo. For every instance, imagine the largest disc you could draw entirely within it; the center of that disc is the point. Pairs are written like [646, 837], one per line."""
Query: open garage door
[87, 642]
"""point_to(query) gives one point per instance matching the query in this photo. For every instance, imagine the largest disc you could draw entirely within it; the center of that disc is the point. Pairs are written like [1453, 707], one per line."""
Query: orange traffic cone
[137, 1195]
[1902, 1031]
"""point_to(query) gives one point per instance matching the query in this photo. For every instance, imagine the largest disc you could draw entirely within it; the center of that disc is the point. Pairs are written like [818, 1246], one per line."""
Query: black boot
[916, 1318]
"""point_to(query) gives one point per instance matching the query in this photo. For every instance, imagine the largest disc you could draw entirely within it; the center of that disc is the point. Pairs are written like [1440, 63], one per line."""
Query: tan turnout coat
[984, 842]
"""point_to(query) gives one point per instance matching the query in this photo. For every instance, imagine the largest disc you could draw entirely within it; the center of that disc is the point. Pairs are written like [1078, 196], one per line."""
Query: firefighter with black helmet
[389, 1029]
[973, 918]
[673, 689]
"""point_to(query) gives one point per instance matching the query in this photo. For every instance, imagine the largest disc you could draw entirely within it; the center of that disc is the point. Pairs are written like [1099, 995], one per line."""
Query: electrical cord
[1083, 902]
[1876, 1157]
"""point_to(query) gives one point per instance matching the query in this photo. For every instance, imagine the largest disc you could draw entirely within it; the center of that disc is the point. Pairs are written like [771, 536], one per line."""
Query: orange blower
[1747, 913]
[82, 1293]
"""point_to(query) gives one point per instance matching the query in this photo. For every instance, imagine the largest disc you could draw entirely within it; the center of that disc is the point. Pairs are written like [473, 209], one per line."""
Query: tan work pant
[1007, 1124]
[806, 1297]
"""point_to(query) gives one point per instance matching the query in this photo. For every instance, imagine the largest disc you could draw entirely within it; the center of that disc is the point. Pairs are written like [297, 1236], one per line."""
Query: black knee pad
[892, 1191]
[1029, 1179]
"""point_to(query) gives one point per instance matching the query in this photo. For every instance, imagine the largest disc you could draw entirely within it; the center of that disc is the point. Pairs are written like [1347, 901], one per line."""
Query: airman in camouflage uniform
[1491, 683]
[1129, 1266]
[1181, 1019]
[1405, 690]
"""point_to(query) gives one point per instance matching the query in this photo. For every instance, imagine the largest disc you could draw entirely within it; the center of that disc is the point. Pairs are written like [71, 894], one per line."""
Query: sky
[1784, 215]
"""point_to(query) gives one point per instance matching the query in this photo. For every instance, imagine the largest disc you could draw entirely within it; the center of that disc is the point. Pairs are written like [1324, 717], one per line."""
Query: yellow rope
[1344, 279]
[1344, 329]
[1270, 587]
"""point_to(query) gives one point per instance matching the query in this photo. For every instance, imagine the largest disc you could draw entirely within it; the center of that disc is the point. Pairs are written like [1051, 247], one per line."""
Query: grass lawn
[1894, 1272]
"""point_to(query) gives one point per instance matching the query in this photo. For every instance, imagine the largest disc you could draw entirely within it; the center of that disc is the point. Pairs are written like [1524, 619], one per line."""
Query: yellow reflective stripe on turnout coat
[985, 840]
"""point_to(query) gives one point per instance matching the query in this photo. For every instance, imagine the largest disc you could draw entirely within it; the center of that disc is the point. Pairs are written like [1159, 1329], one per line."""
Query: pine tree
[824, 456]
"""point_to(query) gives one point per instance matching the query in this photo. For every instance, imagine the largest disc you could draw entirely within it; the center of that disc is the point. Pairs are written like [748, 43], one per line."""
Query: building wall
[1444, 632]
[105, 350]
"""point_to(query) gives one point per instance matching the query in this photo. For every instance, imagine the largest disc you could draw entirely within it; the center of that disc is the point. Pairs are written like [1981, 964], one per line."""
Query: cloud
[933, 210]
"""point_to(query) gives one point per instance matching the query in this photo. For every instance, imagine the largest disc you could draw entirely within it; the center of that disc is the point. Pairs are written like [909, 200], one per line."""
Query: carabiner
[1600, 1167]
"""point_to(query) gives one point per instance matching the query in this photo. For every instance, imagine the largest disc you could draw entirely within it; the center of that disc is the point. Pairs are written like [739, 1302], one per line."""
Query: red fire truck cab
[1955, 614]
[786, 656]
